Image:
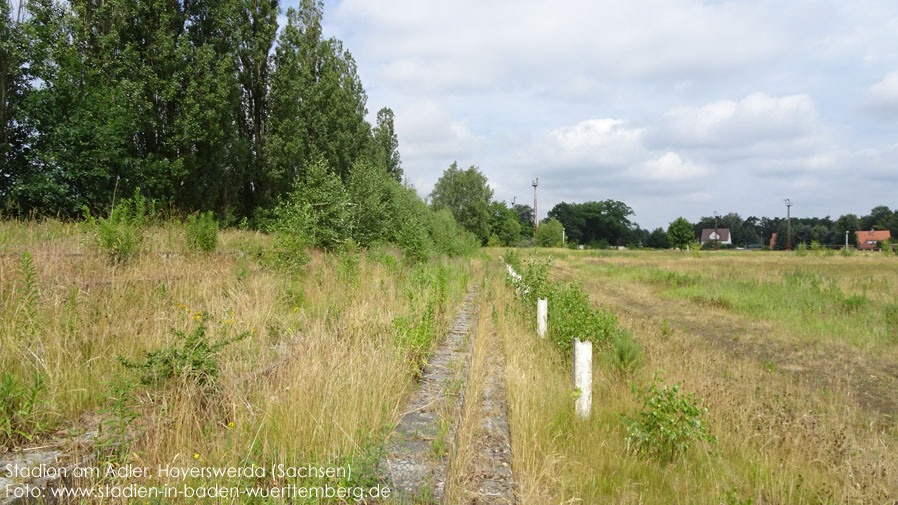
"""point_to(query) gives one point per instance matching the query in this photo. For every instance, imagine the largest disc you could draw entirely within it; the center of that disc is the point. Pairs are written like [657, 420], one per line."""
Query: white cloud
[671, 168]
[757, 118]
[882, 97]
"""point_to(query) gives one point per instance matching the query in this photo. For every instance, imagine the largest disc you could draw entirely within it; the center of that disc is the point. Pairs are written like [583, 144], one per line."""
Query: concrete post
[542, 316]
[583, 377]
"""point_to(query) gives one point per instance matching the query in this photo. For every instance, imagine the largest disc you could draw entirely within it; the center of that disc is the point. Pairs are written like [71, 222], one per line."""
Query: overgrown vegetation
[195, 359]
[202, 232]
[120, 235]
[21, 416]
[669, 422]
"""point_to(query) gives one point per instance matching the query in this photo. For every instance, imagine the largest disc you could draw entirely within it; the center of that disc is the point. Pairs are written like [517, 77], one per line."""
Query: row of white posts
[582, 355]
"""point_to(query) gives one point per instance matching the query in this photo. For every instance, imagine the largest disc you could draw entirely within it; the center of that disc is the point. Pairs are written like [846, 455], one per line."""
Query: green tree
[680, 232]
[549, 233]
[255, 31]
[467, 196]
[594, 222]
[658, 239]
[525, 219]
[387, 143]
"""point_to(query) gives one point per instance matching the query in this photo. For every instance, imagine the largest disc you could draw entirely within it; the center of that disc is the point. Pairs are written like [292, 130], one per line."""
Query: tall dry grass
[318, 378]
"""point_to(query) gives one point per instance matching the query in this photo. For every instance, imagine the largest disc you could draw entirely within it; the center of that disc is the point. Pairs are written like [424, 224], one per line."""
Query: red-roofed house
[721, 236]
[870, 239]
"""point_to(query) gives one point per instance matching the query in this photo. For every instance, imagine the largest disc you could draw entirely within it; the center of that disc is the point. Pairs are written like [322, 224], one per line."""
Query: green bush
[571, 315]
[668, 424]
[535, 280]
[202, 232]
[195, 359]
[121, 234]
[290, 229]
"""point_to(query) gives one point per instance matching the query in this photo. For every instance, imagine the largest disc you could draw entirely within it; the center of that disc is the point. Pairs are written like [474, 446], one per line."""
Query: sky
[675, 107]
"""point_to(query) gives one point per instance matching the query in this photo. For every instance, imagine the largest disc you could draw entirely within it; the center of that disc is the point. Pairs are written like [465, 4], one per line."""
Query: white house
[720, 235]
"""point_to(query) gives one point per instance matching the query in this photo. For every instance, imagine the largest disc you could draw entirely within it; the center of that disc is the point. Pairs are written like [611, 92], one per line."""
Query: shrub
[202, 232]
[535, 280]
[571, 315]
[512, 257]
[802, 249]
[668, 423]
[195, 359]
[121, 234]
[291, 233]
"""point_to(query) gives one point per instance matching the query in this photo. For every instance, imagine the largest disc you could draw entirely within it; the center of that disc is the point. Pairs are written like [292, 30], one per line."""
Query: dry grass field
[795, 358]
[312, 368]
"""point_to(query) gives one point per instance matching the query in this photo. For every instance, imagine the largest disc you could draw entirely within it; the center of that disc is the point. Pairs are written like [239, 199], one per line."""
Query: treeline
[757, 232]
[608, 223]
[202, 105]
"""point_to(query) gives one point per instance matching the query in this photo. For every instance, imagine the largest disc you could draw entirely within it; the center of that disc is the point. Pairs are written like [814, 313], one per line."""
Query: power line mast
[788, 224]
[535, 183]
[716, 234]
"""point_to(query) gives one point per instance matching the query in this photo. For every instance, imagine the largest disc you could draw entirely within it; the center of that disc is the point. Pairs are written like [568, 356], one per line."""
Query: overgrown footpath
[131, 341]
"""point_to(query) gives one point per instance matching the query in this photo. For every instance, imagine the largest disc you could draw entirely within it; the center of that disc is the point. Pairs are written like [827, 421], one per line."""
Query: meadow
[793, 356]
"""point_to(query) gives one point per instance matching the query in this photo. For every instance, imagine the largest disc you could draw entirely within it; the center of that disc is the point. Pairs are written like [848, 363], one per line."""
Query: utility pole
[846, 239]
[716, 234]
[788, 224]
[535, 183]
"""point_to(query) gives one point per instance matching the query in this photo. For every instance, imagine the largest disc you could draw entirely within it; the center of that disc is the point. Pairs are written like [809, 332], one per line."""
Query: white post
[542, 316]
[583, 377]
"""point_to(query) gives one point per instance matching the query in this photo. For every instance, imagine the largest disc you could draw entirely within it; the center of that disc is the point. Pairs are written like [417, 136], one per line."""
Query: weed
[349, 265]
[121, 235]
[671, 278]
[731, 497]
[767, 364]
[853, 303]
[195, 359]
[20, 418]
[116, 432]
[668, 423]
[202, 232]
[440, 443]
[666, 330]
[846, 251]
[626, 353]
[27, 290]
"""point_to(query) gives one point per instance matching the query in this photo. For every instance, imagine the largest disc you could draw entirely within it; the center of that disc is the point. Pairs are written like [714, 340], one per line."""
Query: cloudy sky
[676, 107]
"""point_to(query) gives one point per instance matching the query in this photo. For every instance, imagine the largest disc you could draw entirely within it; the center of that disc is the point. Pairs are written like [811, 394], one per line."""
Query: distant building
[870, 239]
[773, 240]
[720, 235]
